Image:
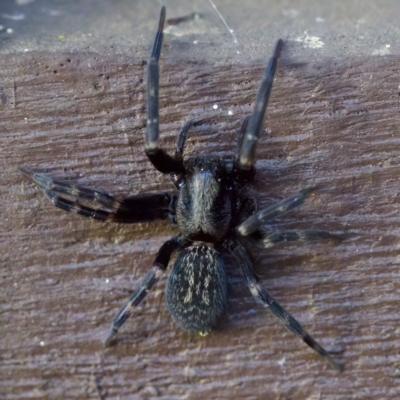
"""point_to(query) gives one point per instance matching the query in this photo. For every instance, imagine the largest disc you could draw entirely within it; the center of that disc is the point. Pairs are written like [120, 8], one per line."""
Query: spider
[212, 210]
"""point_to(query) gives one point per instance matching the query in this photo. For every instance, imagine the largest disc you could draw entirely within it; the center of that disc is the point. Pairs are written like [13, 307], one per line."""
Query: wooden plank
[332, 123]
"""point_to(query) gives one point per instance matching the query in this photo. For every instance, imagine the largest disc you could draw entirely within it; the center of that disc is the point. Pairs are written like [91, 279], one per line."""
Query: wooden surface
[332, 123]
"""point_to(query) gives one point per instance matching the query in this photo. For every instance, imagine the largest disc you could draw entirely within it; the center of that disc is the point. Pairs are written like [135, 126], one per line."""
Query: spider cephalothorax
[206, 205]
[212, 210]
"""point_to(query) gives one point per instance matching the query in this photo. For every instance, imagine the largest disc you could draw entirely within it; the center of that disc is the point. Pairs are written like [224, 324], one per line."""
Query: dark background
[72, 102]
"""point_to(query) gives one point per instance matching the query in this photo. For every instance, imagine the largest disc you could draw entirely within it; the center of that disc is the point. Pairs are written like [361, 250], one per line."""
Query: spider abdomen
[196, 291]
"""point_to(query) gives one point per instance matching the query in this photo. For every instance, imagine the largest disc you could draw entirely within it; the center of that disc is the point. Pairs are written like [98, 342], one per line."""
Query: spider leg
[260, 218]
[264, 241]
[183, 135]
[151, 278]
[158, 157]
[242, 131]
[262, 297]
[102, 206]
[248, 149]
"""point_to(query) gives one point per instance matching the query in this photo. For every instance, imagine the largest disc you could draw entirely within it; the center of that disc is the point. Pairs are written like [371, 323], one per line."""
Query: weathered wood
[333, 124]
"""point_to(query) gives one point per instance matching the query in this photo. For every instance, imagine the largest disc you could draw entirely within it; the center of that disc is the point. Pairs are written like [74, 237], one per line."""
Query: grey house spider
[212, 210]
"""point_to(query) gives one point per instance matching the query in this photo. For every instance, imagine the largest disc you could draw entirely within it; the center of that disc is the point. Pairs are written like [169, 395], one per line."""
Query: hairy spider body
[211, 209]
[196, 291]
[207, 197]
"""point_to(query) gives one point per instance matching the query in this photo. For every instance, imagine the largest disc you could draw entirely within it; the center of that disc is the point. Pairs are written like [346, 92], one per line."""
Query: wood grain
[63, 277]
